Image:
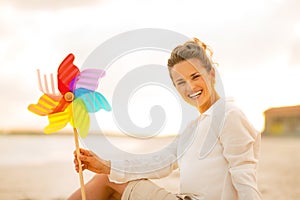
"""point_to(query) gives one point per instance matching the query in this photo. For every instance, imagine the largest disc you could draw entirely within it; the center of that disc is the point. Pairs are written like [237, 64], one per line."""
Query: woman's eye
[196, 76]
[180, 82]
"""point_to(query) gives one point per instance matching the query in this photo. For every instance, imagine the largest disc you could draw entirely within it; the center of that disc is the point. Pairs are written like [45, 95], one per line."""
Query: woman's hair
[191, 49]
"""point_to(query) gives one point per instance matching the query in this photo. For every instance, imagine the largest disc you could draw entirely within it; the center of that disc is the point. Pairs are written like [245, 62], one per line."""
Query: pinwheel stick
[79, 163]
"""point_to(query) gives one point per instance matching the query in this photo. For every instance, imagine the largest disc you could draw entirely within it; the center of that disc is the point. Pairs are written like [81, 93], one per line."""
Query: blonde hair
[192, 49]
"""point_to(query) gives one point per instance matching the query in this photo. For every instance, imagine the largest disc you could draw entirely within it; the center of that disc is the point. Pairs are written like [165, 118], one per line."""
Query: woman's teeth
[195, 94]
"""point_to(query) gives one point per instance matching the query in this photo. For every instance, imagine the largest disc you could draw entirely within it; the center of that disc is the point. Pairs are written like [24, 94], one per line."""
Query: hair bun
[204, 46]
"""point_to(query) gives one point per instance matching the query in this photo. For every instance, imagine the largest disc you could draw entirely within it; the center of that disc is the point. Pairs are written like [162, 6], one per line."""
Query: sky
[256, 44]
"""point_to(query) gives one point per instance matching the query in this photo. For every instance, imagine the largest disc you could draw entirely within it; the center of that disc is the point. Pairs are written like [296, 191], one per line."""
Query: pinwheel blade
[89, 78]
[81, 118]
[58, 120]
[46, 104]
[94, 101]
[66, 73]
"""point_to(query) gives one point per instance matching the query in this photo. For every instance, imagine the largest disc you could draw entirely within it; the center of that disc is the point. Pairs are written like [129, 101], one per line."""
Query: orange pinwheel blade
[80, 117]
[58, 120]
[66, 73]
[45, 105]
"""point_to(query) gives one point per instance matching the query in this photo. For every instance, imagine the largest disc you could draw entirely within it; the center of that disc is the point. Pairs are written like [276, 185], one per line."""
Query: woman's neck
[214, 97]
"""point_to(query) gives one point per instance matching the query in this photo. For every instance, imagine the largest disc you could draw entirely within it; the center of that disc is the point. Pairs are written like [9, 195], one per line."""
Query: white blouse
[217, 156]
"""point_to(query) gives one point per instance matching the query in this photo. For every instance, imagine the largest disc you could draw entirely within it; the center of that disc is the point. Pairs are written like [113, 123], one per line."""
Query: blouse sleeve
[151, 166]
[241, 143]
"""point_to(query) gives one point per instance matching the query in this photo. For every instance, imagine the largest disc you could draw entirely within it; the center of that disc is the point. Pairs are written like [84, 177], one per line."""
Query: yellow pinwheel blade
[80, 118]
[58, 120]
[45, 105]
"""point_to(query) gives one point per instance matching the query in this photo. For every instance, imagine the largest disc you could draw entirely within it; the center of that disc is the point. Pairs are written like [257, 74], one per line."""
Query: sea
[20, 149]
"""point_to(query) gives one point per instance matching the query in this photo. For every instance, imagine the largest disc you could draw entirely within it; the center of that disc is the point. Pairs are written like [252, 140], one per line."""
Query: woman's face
[194, 83]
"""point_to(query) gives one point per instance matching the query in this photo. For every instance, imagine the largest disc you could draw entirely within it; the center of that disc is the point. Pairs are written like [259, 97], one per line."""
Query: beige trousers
[146, 190]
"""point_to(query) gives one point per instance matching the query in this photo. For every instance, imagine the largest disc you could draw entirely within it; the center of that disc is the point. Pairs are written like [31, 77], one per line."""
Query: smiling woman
[217, 154]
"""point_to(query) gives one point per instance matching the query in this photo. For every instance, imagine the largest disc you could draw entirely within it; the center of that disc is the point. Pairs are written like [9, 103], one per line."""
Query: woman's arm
[241, 143]
[152, 166]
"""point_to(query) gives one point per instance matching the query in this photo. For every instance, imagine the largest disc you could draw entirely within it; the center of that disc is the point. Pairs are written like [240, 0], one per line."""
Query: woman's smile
[195, 95]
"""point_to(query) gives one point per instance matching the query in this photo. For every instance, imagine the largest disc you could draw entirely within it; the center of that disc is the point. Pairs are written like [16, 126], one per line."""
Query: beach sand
[279, 175]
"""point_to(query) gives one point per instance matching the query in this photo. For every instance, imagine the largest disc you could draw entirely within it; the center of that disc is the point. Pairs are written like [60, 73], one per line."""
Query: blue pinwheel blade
[94, 101]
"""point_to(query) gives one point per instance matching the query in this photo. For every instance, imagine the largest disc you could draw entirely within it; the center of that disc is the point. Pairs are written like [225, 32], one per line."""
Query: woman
[217, 154]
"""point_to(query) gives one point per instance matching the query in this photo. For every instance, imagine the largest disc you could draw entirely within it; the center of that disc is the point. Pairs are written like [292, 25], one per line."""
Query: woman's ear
[212, 74]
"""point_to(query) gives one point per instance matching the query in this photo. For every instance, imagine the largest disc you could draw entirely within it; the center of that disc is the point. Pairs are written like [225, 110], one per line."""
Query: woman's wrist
[107, 164]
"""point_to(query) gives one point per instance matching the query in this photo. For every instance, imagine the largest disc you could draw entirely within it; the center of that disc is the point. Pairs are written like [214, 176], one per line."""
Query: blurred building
[282, 121]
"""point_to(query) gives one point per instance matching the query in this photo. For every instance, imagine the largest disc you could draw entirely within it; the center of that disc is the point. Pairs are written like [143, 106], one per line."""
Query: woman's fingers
[75, 161]
[82, 151]
[90, 161]
[83, 165]
[84, 155]
[86, 159]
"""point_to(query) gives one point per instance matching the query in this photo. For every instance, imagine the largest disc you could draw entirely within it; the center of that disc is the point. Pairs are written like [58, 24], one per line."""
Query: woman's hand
[92, 162]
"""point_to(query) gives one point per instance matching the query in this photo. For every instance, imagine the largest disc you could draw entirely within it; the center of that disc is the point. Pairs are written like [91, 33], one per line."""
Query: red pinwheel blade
[66, 72]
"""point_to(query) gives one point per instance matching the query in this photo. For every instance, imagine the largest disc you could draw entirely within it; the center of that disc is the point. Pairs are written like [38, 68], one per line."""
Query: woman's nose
[191, 84]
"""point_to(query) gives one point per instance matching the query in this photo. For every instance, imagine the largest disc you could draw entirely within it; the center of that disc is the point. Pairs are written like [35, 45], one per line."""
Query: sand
[279, 175]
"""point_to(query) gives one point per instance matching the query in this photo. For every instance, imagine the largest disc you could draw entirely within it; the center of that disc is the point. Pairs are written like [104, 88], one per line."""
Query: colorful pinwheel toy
[76, 98]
